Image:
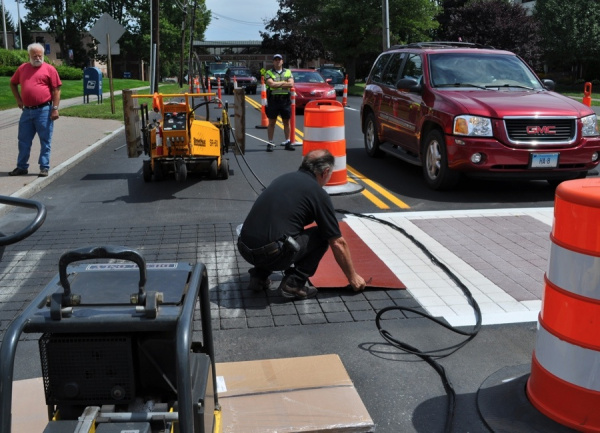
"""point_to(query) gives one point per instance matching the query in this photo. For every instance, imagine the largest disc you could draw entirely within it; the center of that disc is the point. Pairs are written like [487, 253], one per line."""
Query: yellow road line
[379, 189]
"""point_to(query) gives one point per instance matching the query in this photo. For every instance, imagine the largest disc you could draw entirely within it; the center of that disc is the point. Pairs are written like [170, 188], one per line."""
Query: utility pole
[20, 31]
[156, 43]
[385, 14]
[4, 24]
[183, 22]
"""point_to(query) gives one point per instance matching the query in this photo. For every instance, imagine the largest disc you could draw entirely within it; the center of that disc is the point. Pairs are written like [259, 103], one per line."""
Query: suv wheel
[371, 139]
[435, 163]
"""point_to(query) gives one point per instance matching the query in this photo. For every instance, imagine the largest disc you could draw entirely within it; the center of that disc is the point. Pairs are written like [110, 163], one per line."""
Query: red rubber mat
[367, 264]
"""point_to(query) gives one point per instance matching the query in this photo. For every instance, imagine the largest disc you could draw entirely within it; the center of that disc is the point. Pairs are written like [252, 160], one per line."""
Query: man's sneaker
[43, 172]
[288, 145]
[303, 292]
[270, 146]
[18, 172]
[258, 285]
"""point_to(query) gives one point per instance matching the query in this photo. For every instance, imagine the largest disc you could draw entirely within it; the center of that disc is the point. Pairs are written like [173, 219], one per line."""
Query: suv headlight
[473, 126]
[590, 126]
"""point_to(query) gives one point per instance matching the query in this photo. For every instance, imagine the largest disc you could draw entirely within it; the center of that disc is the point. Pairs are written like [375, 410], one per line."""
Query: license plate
[544, 160]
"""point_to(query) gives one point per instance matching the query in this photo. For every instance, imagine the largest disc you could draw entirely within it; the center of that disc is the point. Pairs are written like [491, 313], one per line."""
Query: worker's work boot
[258, 285]
[303, 292]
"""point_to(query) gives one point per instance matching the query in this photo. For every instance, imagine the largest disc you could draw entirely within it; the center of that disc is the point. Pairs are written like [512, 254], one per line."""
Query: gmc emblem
[541, 130]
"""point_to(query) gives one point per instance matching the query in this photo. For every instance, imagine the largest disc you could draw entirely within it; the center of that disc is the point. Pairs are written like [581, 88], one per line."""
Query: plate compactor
[178, 143]
[118, 348]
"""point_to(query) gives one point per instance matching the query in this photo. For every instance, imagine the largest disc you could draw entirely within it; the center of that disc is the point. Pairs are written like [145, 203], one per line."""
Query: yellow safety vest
[283, 76]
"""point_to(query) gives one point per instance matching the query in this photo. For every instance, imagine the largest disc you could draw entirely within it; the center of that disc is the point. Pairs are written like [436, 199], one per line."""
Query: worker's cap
[277, 56]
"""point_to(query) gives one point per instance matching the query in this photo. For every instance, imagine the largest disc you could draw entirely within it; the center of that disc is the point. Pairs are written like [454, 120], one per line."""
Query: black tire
[224, 169]
[180, 171]
[158, 172]
[213, 170]
[371, 138]
[147, 171]
[435, 163]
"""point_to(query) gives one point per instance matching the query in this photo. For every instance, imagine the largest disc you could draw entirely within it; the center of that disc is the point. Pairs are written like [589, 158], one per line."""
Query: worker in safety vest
[278, 81]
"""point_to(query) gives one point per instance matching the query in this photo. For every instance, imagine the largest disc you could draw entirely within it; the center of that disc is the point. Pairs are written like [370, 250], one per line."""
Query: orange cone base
[564, 402]
[504, 406]
[346, 189]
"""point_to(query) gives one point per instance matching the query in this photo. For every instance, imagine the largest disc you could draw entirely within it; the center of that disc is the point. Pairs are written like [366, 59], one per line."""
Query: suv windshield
[240, 72]
[480, 71]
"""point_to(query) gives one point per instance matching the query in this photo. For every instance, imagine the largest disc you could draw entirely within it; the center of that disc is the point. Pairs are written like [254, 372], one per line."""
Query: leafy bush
[69, 73]
[7, 71]
[13, 57]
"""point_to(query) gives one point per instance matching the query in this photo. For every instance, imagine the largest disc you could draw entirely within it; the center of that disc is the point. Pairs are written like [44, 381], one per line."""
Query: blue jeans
[32, 122]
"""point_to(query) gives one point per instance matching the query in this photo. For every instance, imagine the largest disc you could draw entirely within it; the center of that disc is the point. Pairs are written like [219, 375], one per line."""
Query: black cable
[247, 165]
[429, 356]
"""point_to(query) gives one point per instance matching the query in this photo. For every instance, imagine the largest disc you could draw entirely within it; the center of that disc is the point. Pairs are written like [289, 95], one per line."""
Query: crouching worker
[274, 237]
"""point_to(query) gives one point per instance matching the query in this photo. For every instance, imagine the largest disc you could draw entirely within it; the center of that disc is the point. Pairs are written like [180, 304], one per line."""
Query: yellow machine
[178, 143]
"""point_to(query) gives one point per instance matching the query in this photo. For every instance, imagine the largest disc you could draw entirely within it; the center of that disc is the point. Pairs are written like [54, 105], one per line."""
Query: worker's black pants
[298, 266]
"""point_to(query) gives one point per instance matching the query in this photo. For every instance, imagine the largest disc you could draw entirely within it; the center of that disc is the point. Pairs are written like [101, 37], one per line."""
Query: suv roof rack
[442, 44]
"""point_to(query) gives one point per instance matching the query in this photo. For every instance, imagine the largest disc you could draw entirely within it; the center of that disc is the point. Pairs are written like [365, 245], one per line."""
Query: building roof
[227, 43]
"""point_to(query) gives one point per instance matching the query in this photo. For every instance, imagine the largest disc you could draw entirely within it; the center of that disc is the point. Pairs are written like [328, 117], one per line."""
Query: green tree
[348, 30]
[498, 23]
[571, 34]
[66, 20]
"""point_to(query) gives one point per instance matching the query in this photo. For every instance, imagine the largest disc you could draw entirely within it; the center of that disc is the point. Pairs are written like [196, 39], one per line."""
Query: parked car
[215, 71]
[334, 77]
[311, 86]
[457, 108]
[243, 77]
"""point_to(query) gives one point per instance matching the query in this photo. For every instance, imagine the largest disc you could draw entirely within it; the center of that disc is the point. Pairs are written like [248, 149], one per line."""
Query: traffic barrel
[345, 94]
[564, 383]
[293, 116]
[264, 122]
[587, 94]
[324, 129]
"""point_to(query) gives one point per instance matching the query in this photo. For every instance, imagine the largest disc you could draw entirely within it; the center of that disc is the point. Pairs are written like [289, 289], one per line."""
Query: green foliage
[346, 30]
[13, 57]
[69, 73]
[498, 23]
[570, 34]
[7, 71]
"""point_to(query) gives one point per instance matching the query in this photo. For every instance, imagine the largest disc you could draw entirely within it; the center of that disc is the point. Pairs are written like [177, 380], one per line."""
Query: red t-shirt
[36, 83]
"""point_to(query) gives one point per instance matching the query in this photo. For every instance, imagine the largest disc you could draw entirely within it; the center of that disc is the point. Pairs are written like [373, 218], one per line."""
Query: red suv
[455, 108]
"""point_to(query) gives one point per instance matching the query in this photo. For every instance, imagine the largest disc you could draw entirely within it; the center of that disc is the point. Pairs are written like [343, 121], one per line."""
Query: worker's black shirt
[291, 202]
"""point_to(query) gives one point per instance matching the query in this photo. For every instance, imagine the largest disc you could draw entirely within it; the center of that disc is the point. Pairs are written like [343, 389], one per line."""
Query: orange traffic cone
[264, 122]
[197, 85]
[587, 94]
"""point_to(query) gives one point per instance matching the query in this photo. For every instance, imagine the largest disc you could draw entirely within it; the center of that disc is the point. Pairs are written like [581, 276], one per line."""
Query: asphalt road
[104, 198]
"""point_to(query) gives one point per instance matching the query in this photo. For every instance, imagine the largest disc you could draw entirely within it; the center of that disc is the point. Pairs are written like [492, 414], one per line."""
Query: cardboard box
[307, 394]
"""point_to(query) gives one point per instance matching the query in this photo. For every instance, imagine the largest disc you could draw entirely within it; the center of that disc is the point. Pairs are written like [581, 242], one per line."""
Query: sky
[233, 20]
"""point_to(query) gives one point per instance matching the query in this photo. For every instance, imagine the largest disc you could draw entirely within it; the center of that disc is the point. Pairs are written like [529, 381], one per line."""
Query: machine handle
[32, 227]
[102, 252]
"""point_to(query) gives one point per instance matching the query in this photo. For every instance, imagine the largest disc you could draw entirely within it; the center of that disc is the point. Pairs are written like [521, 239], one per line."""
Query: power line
[250, 23]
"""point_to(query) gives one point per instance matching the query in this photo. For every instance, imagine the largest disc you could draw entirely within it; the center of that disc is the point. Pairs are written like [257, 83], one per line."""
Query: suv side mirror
[409, 85]
[549, 84]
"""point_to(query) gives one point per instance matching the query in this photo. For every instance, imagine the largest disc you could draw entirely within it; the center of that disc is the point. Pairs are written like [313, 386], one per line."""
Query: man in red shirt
[39, 99]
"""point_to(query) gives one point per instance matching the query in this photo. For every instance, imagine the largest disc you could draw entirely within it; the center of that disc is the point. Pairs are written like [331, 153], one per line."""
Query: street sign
[107, 25]
[115, 49]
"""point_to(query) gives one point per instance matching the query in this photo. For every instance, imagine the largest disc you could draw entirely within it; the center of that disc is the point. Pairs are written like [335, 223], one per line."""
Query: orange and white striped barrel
[324, 129]
[565, 371]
